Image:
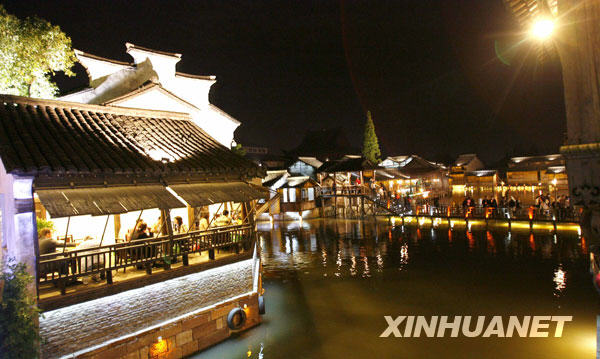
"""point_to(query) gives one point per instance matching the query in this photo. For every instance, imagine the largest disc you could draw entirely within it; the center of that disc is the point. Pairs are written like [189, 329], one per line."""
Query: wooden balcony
[66, 278]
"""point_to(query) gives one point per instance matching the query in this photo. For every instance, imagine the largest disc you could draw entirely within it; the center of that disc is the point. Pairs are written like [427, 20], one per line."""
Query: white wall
[19, 234]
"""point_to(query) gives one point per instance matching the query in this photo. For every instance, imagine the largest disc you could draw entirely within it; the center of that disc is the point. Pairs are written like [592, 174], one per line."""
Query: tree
[238, 150]
[19, 336]
[31, 51]
[370, 144]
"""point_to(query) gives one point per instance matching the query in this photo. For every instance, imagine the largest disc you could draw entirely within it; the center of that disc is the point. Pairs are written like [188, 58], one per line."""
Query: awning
[103, 201]
[202, 194]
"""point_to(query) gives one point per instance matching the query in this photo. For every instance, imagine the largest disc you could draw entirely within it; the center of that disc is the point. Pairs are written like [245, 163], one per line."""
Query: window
[311, 194]
[292, 194]
[285, 195]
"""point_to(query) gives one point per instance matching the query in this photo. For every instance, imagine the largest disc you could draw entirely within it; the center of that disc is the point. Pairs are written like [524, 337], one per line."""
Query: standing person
[203, 225]
[157, 228]
[223, 219]
[178, 226]
[562, 206]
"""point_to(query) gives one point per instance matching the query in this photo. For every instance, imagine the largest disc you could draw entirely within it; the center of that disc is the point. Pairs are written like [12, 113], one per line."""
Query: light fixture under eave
[542, 28]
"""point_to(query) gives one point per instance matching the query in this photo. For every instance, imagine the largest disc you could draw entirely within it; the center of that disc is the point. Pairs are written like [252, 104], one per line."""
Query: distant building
[424, 178]
[255, 150]
[152, 82]
[527, 177]
[325, 144]
[305, 166]
[469, 178]
[297, 195]
[467, 163]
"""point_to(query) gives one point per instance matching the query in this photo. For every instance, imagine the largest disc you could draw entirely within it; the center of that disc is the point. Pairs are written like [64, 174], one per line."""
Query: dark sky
[428, 70]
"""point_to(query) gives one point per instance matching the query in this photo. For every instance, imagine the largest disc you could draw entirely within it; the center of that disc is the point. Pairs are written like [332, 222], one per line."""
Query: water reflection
[330, 282]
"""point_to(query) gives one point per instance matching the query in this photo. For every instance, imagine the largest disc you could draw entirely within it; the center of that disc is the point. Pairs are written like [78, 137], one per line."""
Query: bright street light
[542, 28]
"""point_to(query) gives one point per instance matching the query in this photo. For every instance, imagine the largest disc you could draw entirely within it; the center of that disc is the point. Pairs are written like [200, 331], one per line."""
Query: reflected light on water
[305, 300]
[353, 266]
[560, 281]
[366, 272]
[379, 262]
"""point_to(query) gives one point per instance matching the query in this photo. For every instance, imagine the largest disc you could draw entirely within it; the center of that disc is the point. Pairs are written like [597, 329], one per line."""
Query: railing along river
[63, 267]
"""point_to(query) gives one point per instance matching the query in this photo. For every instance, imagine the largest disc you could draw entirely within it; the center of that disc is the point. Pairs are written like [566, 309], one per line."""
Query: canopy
[202, 194]
[103, 201]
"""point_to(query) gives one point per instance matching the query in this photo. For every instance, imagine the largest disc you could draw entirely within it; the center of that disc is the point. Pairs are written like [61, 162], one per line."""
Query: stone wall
[182, 337]
[172, 308]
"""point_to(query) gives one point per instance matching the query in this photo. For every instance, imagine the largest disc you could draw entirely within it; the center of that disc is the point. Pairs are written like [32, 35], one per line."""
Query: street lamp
[542, 28]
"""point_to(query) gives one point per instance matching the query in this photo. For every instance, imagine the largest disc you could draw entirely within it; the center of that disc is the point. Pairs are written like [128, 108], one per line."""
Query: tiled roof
[464, 159]
[347, 164]
[535, 163]
[56, 137]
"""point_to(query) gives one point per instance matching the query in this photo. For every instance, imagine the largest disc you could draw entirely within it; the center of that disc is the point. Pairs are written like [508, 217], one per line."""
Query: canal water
[329, 284]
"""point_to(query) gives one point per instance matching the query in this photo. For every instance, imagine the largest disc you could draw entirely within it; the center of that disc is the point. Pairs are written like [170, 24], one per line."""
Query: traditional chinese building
[527, 177]
[422, 177]
[151, 81]
[96, 171]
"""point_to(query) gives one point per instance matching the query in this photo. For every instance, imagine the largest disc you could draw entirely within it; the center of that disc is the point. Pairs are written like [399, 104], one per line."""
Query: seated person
[203, 225]
[142, 231]
[237, 219]
[134, 233]
[178, 226]
[47, 244]
[223, 219]
[157, 228]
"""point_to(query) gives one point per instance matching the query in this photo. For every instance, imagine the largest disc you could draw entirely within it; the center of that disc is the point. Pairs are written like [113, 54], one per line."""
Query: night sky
[439, 76]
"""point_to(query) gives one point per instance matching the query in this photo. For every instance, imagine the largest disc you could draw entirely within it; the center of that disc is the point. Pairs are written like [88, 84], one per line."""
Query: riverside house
[134, 264]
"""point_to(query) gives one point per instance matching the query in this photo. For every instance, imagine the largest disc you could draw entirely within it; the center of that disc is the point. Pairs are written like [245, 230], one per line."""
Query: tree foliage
[31, 51]
[238, 150]
[371, 144]
[19, 336]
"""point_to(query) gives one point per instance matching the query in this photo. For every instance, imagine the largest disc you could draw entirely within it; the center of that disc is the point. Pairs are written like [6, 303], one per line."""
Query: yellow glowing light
[542, 29]
[159, 348]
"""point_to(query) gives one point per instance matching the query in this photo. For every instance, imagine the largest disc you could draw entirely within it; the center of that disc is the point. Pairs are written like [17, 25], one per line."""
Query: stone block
[195, 321]
[183, 338]
[170, 330]
[214, 338]
[204, 330]
[113, 351]
[132, 355]
[222, 310]
[176, 353]
[144, 353]
[190, 348]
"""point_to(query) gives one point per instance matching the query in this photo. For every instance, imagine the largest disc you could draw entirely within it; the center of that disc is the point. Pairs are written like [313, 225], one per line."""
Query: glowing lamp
[160, 348]
[542, 29]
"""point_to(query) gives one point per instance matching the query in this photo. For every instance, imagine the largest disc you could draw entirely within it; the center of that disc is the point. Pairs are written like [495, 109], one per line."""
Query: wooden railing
[345, 190]
[61, 268]
[571, 215]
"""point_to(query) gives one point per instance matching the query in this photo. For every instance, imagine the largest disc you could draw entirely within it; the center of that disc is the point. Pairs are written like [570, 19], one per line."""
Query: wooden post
[362, 205]
[169, 257]
[117, 218]
[66, 234]
[191, 217]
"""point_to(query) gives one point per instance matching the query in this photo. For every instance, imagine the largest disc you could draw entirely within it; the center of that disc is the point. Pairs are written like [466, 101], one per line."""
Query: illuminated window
[311, 194]
[285, 195]
[292, 194]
